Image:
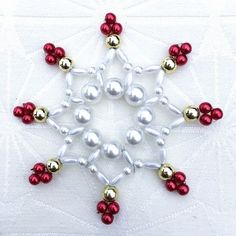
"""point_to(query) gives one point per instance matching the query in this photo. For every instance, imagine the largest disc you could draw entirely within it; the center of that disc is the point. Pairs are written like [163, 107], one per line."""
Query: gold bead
[166, 171]
[65, 64]
[40, 114]
[54, 165]
[110, 193]
[169, 65]
[113, 41]
[191, 113]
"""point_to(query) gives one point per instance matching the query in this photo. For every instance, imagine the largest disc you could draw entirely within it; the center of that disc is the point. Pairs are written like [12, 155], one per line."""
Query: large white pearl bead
[83, 115]
[134, 136]
[91, 92]
[135, 95]
[114, 88]
[91, 138]
[145, 116]
[111, 150]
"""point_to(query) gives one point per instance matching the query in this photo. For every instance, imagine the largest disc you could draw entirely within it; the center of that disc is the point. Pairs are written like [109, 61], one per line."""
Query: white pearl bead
[160, 141]
[93, 169]
[111, 150]
[91, 138]
[68, 140]
[83, 115]
[145, 116]
[114, 88]
[91, 92]
[127, 66]
[135, 95]
[164, 100]
[138, 70]
[64, 130]
[165, 131]
[82, 161]
[159, 91]
[127, 171]
[134, 136]
[138, 164]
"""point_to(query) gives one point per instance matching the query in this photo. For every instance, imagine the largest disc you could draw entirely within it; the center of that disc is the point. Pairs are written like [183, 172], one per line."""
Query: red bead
[174, 50]
[102, 207]
[117, 28]
[216, 114]
[59, 52]
[29, 107]
[205, 119]
[113, 208]
[46, 177]
[205, 107]
[51, 60]
[39, 168]
[170, 185]
[49, 48]
[34, 179]
[181, 60]
[183, 189]
[107, 218]
[105, 28]
[110, 18]
[179, 177]
[27, 119]
[18, 111]
[186, 48]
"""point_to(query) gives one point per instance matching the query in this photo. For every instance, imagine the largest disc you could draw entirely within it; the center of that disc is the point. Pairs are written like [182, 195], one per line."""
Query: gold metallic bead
[191, 113]
[110, 193]
[40, 114]
[113, 41]
[169, 65]
[65, 64]
[54, 165]
[166, 171]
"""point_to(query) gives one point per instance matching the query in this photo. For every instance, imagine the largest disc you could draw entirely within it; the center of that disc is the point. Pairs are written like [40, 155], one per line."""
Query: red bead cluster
[178, 52]
[110, 26]
[177, 182]
[25, 112]
[209, 113]
[40, 174]
[108, 210]
[53, 54]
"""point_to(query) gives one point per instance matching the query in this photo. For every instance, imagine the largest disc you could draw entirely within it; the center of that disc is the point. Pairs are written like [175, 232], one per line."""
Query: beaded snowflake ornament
[114, 88]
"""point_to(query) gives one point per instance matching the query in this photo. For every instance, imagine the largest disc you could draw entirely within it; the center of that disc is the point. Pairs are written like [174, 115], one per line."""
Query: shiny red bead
[18, 111]
[183, 189]
[105, 28]
[117, 28]
[113, 208]
[179, 177]
[107, 218]
[29, 107]
[171, 185]
[205, 119]
[102, 207]
[59, 52]
[216, 114]
[51, 60]
[34, 179]
[49, 48]
[27, 119]
[39, 168]
[205, 107]
[110, 18]
[174, 50]
[46, 177]
[186, 48]
[181, 60]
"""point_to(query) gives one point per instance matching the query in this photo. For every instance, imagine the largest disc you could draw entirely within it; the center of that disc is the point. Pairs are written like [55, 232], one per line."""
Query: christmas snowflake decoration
[114, 88]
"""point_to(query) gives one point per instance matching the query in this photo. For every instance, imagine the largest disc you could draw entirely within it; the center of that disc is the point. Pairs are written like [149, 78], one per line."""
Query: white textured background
[206, 155]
